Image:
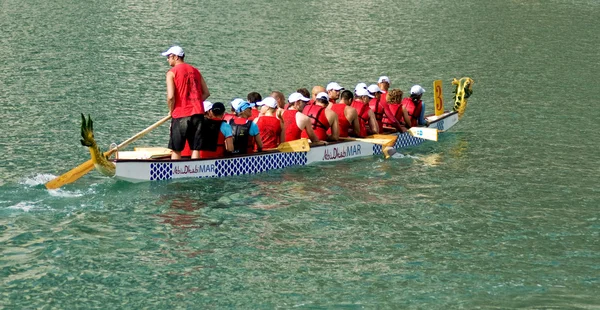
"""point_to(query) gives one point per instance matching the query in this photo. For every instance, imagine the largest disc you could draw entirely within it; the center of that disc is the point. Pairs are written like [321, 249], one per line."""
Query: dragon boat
[153, 164]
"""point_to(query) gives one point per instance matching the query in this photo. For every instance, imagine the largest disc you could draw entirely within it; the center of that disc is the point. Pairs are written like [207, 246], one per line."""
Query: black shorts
[186, 129]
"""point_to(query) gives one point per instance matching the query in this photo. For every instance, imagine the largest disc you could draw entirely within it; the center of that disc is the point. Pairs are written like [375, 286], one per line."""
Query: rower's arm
[304, 124]
[229, 144]
[390, 115]
[406, 117]
[258, 141]
[335, 125]
[282, 134]
[373, 122]
[352, 117]
[170, 91]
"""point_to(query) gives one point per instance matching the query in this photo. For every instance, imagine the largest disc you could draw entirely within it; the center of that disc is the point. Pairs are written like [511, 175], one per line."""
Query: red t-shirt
[270, 131]
[188, 91]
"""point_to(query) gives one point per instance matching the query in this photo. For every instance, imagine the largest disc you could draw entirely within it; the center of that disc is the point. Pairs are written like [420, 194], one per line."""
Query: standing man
[186, 91]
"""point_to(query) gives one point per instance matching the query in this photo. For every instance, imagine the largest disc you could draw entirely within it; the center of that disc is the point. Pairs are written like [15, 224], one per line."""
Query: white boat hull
[140, 170]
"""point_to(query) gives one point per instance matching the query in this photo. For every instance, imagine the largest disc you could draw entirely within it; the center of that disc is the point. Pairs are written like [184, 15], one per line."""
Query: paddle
[300, 145]
[375, 139]
[424, 133]
[79, 171]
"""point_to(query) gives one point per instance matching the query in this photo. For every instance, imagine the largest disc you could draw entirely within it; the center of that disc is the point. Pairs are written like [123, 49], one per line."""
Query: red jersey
[344, 124]
[188, 91]
[270, 131]
[319, 121]
[292, 131]
[396, 110]
[227, 117]
[413, 111]
[363, 116]
[377, 108]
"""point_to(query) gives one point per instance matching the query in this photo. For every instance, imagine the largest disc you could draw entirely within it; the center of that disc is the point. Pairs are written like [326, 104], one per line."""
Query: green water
[502, 212]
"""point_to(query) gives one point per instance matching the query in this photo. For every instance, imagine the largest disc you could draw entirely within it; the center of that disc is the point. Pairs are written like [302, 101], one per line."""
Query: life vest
[213, 140]
[243, 143]
[292, 131]
[343, 122]
[227, 117]
[270, 131]
[377, 108]
[318, 120]
[363, 116]
[188, 91]
[414, 110]
[397, 112]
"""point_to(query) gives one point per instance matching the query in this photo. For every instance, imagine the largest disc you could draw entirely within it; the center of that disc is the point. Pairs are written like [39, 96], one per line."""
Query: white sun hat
[417, 90]
[297, 96]
[363, 92]
[174, 50]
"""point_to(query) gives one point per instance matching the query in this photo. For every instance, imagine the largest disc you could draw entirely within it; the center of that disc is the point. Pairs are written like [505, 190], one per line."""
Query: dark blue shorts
[186, 129]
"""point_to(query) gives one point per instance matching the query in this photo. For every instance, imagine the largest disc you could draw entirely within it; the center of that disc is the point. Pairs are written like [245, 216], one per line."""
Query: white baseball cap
[297, 96]
[383, 78]
[269, 102]
[333, 86]
[174, 50]
[322, 95]
[363, 92]
[207, 106]
[360, 86]
[373, 88]
[235, 103]
[417, 90]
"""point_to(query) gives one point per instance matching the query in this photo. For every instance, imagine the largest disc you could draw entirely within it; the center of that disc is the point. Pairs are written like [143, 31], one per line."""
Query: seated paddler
[246, 136]
[269, 126]
[216, 134]
[322, 119]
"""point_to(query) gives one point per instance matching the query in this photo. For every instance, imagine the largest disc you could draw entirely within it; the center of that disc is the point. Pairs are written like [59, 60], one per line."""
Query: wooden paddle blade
[71, 176]
[300, 145]
[376, 139]
[424, 133]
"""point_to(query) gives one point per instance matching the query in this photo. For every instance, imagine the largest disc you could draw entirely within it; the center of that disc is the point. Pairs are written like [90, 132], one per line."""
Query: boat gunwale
[275, 151]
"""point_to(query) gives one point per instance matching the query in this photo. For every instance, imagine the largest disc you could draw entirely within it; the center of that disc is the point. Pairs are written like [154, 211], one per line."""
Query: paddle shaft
[79, 171]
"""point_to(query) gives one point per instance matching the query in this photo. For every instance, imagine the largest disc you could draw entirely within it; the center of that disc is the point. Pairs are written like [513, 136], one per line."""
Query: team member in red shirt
[315, 90]
[245, 132]
[368, 122]
[347, 115]
[384, 85]
[333, 91]
[414, 105]
[253, 98]
[394, 99]
[322, 118]
[269, 125]
[294, 122]
[186, 91]
[217, 136]
[381, 109]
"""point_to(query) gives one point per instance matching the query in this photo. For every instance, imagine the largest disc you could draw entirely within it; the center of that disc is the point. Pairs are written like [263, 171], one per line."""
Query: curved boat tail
[102, 164]
[462, 91]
